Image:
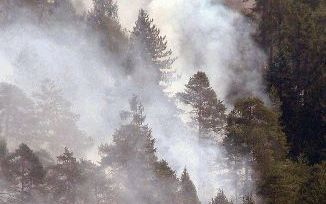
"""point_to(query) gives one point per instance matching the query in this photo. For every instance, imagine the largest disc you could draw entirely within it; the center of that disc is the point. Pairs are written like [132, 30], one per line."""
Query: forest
[162, 102]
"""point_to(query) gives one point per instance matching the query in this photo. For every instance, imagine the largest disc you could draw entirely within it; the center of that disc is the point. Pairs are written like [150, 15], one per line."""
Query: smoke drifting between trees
[269, 153]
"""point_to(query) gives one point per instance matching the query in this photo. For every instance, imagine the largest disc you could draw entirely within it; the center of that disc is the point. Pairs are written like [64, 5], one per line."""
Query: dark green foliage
[253, 130]
[281, 183]
[314, 188]
[293, 34]
[207, 111]
[254, 135]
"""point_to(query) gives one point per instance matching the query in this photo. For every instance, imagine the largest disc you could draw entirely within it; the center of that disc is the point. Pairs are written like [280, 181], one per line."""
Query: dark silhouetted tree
[24, 171]
[220, 198]
[148, 48]
[63, 179]
[188, 192]
[103, 18]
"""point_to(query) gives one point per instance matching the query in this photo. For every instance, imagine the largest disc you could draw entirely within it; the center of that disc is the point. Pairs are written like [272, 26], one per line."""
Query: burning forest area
[162, 102]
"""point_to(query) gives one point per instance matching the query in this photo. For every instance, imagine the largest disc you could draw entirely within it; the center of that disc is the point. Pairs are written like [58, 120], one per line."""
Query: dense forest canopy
[162, 101]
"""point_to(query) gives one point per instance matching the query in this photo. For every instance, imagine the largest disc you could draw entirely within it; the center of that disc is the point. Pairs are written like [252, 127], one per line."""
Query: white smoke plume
[204, 36]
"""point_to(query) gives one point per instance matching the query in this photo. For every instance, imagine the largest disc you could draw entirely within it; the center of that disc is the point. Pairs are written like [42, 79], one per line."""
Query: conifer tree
[148, 48]
[96, 187]
[253, 130]
[63, 179]
[104, 19]
[166, 181]
[132, 157]
[135, 139]
[208, 111]
[253, 133]
[220, 198]
[133, 153]
[23, 169]
[291, 33]
[188, 192]
[314, 188]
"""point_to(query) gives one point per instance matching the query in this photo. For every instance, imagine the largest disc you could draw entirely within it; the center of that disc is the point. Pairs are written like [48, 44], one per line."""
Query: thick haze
[204, 36]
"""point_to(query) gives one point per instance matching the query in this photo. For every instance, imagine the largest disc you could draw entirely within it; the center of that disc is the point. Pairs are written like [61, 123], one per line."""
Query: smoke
[204, 36]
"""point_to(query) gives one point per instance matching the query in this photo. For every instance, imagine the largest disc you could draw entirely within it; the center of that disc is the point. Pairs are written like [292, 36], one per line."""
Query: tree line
[276, 152]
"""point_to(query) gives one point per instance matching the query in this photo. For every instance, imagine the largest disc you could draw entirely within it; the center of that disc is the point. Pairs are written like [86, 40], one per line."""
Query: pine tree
[133, 140]
[24, 170]
[104, 19]
[133, 155]
[208, 111]
[220, 198]
[167, 182]
[314, 188]
[291, 33]
[63, 179]
[255, 136]
[148, 48]
[188, 192]
[281, 183]
[97, 187]
[132, 158]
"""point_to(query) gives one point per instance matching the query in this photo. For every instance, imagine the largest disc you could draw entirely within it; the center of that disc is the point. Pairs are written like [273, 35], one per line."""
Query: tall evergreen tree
[23, 170]
[188, 192]
[148, 48]
[97, 187]
[292, 34]
[207, 110]
[132, 158]
[63, 179]
[220, 198]
[104, 19]
[167, 182]
[133, 152]
[254, 135]
[314, 188]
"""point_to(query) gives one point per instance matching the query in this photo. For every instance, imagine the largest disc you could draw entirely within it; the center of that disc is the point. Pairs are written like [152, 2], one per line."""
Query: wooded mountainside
[274, 149]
